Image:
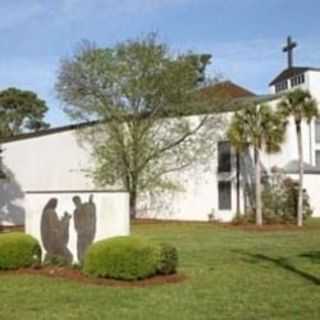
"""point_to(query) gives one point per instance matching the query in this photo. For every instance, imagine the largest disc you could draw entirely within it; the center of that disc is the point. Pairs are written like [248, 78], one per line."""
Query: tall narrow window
[224, 190]
[318, 158]
[317, 126]
[224, 156]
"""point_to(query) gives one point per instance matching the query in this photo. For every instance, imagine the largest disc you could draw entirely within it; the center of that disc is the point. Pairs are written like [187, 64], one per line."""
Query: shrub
[18, 250]
[126, 258]
[280, 202]
[168, 259]
[130, 258]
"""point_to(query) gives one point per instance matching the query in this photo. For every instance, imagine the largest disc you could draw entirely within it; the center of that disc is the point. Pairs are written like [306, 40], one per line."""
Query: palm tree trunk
[238, 182]
[301, 174]
[258, 188]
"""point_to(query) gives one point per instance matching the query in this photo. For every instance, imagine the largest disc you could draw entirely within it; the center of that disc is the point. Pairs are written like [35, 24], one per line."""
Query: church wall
[58, 162]
[289, 149]
[197, 202]
[49, 163]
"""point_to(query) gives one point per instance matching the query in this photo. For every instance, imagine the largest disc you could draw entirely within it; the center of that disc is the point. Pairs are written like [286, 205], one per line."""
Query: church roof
[227, 89]
[291, 72]
[292, 167]
[234, 95]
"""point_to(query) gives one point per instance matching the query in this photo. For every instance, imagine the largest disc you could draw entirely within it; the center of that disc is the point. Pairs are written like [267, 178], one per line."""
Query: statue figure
[55, 232]
[85, 224]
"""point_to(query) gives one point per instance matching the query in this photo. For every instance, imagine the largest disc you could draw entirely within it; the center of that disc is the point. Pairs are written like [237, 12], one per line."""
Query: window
[282, 85]
[299, 79]
[318, 158]
[224, 156]
[317, 127]
[224, 189]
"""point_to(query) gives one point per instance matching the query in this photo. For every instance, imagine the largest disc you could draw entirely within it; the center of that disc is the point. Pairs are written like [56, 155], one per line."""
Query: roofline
[263, 98]
[49, 131]
[230, 82]
[41, 133]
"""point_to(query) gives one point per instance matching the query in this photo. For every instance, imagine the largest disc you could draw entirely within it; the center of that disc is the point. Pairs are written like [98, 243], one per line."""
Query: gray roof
[263, 98]
[238, 104]
[291, 72]
[292, 167]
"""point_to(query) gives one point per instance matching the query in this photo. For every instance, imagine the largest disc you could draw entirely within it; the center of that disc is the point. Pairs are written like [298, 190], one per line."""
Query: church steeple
[289, 47]
[293, 76]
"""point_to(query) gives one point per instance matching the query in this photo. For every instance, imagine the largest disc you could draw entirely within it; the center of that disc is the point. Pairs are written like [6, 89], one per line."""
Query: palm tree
[302, 107]
[262, 129]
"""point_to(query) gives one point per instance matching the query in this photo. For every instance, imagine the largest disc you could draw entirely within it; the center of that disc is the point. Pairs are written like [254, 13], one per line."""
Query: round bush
[168, 260]
[18, 250]
[125, 258]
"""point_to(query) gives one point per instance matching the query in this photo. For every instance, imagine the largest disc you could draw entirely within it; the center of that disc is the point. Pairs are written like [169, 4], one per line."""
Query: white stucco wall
[198, 200]
[53, 163]
[50, 162]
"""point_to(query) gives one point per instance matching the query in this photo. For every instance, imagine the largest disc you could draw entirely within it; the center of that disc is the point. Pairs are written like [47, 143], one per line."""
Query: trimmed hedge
[168, 261]
[129, 258]
[18, 250]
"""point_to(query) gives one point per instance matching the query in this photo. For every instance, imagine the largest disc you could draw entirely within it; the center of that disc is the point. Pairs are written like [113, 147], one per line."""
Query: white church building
[54, 161]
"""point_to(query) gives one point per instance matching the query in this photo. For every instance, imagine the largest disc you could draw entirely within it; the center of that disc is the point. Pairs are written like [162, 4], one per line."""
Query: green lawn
[232, 274]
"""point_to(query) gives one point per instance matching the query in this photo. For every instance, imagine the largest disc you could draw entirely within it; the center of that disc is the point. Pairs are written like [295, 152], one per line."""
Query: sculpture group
[55, 231]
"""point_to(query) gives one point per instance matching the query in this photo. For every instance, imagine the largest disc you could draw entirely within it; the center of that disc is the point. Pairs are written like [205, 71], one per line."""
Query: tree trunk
[258, 188]
[301, 174]
[133, 204]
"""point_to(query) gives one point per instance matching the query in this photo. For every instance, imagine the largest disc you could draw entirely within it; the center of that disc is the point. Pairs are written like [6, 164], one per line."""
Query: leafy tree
[263, 130]
[302, 107]
[143, 98]
[20, 111]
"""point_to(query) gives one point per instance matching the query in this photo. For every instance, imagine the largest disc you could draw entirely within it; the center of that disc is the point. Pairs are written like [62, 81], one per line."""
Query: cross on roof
[289, 48]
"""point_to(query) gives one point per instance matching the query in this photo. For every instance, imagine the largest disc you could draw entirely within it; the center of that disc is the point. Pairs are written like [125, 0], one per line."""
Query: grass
[233, 274]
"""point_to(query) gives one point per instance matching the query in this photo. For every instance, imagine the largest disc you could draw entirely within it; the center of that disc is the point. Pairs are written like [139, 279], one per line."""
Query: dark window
[318, 158]
[299, 79]
[224, 156]
[224, 189]
[282, 85]
[317, 123]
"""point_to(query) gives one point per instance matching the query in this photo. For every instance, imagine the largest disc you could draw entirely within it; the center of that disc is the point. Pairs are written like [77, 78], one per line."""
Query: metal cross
[289, 48]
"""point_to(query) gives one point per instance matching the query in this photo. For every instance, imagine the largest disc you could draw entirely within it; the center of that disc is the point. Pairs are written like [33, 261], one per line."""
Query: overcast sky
[245, 37]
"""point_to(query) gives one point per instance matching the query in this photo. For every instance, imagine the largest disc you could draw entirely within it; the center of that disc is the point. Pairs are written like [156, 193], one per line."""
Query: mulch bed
[16, 228]
[75, 275]
[229, 225]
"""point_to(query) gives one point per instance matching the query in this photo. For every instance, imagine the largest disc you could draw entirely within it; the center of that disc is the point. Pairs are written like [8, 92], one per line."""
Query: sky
[244, 37]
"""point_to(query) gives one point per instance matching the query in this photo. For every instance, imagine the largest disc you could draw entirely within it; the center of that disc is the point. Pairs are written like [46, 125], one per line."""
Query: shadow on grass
[314, 256]
[283, 263]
